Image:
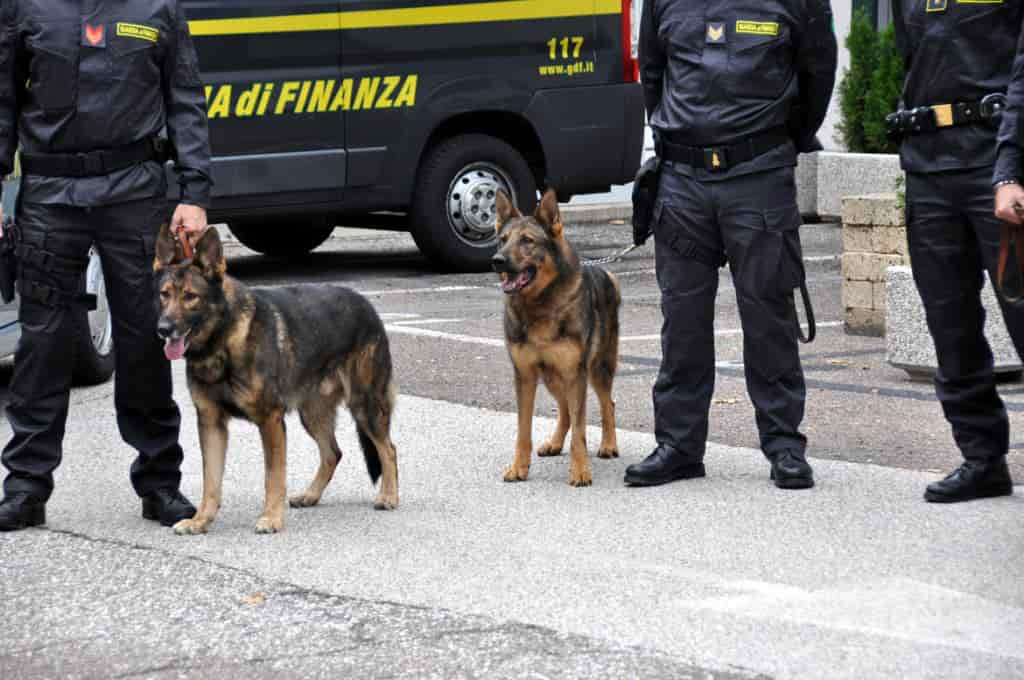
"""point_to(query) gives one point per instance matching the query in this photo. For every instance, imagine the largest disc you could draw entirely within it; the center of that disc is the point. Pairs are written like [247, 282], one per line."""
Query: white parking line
[421, 322]
[441, 335]
[403, 291]
[724, 331]
[408, 328]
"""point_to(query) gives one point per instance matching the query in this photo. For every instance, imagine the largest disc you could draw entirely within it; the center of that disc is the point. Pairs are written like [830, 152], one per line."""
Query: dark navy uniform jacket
[960, 50]
[83, 75]
[718, 71]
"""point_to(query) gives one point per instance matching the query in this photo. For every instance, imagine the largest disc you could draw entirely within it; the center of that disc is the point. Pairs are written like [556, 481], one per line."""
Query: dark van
[323, 112]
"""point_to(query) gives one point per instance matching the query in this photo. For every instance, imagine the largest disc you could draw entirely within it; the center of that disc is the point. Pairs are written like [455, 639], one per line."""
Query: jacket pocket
[133, 60]
[760, 64]
[53, 67]
[785, 222]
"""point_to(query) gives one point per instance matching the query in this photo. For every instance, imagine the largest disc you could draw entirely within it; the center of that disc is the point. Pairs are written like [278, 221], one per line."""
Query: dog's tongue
[509, 285]
[174, 349]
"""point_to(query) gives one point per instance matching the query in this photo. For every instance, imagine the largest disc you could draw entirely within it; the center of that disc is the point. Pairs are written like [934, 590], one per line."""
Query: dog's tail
[371, 454]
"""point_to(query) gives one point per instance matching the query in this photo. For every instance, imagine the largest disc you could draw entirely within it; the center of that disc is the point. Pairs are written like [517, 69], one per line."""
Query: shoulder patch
[936, 5]
[147, 33]
[757, 27]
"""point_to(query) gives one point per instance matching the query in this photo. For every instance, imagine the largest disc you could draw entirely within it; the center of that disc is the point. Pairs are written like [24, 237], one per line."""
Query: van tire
[92, 349]
[284, 240]
[455, 242]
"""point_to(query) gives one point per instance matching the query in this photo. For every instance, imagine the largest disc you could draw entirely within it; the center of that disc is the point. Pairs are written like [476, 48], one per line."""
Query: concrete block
[878, 295]
[868, 266]
[853, 174]
[881, 209]
[908, 343]
[858, 294]
[807, 184]
[858, 238]
[865, 322]
[889, 240]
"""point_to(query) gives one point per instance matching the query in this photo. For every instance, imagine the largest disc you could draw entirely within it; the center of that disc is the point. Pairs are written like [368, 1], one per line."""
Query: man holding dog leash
[732, 93]
[959, 56]
[86, 88]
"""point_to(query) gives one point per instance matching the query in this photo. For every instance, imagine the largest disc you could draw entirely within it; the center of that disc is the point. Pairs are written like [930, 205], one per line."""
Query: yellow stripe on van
[472, 13]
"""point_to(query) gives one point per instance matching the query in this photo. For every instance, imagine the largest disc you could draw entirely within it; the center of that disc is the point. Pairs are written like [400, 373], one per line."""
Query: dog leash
[186, 246]
[611, 258]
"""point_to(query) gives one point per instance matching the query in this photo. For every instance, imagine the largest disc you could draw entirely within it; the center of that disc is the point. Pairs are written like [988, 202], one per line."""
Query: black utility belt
[722, 157]
[94, 163]
[925, 119]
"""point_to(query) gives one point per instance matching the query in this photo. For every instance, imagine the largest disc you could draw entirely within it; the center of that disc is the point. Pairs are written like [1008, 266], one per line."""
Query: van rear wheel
[282, 240]
[453, 208]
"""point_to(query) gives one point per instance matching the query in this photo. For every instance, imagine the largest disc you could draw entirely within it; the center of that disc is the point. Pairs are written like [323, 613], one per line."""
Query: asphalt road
[725, 577]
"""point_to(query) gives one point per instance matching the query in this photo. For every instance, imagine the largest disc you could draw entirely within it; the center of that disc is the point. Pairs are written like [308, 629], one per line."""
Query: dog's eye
[165, 295]
[526, 240]
[190, 297]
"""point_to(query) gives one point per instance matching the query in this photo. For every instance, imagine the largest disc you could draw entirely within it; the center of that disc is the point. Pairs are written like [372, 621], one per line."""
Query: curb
[598, 212]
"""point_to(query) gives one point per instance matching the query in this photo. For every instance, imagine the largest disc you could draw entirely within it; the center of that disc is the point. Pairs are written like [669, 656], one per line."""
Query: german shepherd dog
[562, 326]
[257, 354]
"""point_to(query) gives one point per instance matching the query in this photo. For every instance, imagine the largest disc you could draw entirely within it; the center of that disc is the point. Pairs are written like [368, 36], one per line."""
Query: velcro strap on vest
[52, 297]
[46, 261]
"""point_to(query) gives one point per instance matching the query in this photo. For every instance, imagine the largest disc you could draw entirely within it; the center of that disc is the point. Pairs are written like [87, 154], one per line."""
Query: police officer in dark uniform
[733, 91]
[87, 87]
[958, 59]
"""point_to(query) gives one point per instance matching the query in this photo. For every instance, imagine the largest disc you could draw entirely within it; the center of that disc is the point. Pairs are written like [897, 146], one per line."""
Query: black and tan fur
[562, 327]
[257, 354]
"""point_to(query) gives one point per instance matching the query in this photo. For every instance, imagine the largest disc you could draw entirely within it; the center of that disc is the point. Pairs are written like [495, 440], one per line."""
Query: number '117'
[577, 45]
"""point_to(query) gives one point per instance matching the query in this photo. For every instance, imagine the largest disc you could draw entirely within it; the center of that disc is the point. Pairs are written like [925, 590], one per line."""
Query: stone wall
[874, 239]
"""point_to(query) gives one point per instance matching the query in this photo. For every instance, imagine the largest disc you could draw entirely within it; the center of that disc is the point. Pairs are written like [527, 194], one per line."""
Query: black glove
[645, 192]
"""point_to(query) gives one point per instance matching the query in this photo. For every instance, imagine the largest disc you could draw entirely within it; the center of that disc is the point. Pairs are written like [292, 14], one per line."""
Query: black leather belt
[94, 163]
[923, 119]
[722, 157]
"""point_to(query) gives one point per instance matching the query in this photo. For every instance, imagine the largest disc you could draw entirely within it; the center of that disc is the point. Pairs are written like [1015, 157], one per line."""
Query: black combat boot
[790, 470]
[20, 511]
[974, 479]
[665, 464]
[167, 506]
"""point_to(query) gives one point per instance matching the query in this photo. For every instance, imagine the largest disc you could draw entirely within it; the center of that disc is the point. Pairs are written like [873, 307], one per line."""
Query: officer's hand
[1010, 203]
[188, 221]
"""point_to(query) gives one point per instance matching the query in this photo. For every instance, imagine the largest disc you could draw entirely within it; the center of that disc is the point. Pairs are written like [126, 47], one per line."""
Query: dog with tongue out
[562, 327]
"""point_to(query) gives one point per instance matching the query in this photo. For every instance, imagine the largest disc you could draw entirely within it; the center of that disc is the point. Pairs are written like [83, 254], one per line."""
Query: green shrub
[870, 88]
[884, 94]
[862, 44]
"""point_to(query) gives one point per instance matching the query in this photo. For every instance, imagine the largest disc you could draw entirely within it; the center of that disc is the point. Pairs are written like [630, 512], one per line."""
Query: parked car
[93, 342]
[324, 112]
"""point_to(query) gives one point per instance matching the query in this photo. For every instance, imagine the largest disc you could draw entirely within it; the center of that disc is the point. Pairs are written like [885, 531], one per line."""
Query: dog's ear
[548, 215]
[168, 249]
[504, 210]
[209, 255]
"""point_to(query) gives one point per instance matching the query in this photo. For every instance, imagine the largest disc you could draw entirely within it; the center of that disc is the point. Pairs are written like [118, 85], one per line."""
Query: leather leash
[1010, 234]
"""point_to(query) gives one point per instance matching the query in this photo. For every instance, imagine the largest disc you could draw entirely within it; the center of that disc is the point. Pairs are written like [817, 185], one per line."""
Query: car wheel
[93, 331]
[284, 240]
[453, 208]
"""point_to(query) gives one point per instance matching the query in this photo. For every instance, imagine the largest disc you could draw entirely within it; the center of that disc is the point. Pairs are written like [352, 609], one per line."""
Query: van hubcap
[100, 327]
[471, 202]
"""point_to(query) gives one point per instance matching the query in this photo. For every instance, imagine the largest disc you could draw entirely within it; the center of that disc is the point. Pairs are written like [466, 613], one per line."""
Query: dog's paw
[386, 501]
[580, 478]
[607, 453]
[269, 525]
[191, 527]
[303, 500]
[548, 450]
[514, 474]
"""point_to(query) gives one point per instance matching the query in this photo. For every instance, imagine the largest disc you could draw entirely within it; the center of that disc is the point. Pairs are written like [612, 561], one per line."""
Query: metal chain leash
[609, 259]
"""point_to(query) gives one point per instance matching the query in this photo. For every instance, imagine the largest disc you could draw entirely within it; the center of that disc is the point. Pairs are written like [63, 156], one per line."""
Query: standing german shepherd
[258, 354]
[562, 326]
